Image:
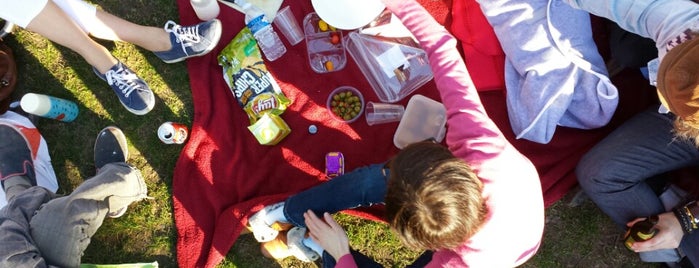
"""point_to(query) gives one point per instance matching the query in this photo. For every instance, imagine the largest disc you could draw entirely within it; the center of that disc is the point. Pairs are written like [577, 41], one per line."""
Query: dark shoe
[190, 41]
[132, 91]
[15, 155]
[110, 147]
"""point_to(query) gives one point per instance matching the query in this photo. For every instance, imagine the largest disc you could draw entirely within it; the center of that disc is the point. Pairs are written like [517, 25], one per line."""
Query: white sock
[313, 245]
[276, 215]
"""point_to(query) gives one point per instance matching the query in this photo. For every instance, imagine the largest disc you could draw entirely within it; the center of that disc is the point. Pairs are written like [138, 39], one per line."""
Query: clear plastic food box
[424, 118]
[326, 50]
[394, 67]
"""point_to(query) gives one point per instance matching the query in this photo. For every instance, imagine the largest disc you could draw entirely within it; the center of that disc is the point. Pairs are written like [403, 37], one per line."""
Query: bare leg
[71, 36]
[111, 27]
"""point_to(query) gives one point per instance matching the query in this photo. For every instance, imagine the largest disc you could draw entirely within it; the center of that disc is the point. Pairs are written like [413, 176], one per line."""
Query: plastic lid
[423, 118]
[348, 14]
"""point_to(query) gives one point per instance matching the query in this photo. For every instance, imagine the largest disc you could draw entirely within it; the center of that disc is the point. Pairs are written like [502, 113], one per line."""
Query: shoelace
[186, 36]
[123, 79]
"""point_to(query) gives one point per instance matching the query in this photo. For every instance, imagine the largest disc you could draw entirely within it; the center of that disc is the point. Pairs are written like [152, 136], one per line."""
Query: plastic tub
[336, 98]
[424, 118]
[325, 47]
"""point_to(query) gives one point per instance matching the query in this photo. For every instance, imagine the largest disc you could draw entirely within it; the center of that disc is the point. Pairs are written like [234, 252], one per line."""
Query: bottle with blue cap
[267, 39]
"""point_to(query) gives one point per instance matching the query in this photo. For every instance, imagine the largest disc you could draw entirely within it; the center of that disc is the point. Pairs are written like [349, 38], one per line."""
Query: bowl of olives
[346, 104]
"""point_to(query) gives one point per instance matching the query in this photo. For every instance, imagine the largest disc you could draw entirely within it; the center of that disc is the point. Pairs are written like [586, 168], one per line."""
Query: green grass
[575, 236]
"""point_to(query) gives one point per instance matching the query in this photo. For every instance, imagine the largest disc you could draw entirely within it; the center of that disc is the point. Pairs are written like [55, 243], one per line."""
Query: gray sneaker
[190, 41]
[132, 91]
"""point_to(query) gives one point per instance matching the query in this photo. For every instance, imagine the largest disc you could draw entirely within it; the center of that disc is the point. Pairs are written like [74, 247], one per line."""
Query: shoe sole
[207, 50]
[120, 137]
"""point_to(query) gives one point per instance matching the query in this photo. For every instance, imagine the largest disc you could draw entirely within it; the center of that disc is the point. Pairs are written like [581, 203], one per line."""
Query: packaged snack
[254, 88]
[270, 129]
[248, 79]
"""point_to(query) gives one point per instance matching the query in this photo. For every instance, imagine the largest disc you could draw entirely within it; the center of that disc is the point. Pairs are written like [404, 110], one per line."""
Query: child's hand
[327, 233]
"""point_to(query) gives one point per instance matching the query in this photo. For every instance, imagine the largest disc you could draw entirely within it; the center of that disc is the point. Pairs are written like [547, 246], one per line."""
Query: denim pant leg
[614, 171]
[660, 20]
[364, 186]
[62, 228]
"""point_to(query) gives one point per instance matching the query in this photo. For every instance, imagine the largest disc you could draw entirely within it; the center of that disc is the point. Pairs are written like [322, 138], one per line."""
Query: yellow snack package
[254, 88]
[270, 129]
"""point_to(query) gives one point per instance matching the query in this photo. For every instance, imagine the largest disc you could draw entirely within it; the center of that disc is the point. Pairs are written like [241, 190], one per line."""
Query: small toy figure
[334, 164]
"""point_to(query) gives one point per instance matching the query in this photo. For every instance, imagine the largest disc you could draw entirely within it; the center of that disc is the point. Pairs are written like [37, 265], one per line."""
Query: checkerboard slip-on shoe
[110, 147]
[15, 155]
[262, 231]
[294, 241]
[134, 94]
[190, 41]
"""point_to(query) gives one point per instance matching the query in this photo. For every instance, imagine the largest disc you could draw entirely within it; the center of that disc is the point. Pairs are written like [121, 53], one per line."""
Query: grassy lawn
[579, 236]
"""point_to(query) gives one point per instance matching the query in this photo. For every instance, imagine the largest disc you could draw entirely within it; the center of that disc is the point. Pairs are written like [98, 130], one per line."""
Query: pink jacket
[515, 223]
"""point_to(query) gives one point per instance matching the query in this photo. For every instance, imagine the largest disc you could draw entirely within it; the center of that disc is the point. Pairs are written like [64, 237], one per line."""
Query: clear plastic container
[326, 49]
[424, 118]
[395, 67]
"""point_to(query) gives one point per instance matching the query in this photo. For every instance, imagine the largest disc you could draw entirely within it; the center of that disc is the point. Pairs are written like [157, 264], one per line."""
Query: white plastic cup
[49, 107]
[380, 113]
[286, 22]
[206, 10]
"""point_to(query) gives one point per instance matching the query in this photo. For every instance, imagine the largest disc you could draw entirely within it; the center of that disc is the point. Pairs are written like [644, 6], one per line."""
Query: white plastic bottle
[267, 39]
[49, 107]
[205, 9]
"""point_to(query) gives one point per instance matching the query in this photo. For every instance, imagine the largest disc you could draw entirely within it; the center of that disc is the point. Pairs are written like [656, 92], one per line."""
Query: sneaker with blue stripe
[132, 91]
[190, 41]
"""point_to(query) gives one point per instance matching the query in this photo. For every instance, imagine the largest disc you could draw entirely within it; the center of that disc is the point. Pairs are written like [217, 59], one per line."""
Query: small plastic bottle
[641, 231]
[49, 107]
[205, 9]
[267, 39]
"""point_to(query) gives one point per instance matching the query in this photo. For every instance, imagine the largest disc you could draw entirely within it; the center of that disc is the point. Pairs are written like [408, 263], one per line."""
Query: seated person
[68, 23]
[40, 229]
[615, 172]
[457, 202]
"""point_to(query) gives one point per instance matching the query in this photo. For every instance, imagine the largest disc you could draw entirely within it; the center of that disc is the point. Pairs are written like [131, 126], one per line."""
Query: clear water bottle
[267, 39]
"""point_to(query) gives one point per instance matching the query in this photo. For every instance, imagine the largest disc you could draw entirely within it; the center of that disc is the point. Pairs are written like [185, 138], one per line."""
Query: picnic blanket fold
[554, 74]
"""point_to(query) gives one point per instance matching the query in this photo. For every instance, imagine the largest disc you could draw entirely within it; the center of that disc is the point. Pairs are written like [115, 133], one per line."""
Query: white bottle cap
[35, 104]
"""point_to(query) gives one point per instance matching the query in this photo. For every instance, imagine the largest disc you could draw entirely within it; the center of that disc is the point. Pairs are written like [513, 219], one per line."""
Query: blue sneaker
[190, 41]
[132, 91]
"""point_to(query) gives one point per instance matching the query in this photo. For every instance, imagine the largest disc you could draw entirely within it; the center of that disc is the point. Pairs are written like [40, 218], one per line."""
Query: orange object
[329, 66]
[335, 38]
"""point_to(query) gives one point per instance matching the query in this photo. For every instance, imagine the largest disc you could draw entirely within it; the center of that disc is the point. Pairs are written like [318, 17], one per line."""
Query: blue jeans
[614, 172]
[660, 20]
[364, 186]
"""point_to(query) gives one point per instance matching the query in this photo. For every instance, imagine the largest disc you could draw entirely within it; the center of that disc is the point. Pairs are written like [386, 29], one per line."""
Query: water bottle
[49, 107]
[268, 40]
[206, 10]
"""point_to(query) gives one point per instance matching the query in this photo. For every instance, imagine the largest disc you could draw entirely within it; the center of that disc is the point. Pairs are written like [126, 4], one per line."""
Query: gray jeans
[39, 229]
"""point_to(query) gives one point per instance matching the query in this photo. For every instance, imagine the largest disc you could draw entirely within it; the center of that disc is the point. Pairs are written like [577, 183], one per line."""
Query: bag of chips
[254, 88]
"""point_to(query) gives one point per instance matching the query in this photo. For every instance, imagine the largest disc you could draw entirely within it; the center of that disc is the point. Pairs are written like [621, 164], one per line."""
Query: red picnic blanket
[223, 175]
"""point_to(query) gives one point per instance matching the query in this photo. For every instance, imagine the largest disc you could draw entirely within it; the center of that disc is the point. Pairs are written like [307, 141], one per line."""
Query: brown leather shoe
[8, 76]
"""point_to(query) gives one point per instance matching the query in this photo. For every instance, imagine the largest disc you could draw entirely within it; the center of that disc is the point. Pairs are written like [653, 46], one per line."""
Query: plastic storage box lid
[424, 118]
[394, 67]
